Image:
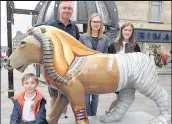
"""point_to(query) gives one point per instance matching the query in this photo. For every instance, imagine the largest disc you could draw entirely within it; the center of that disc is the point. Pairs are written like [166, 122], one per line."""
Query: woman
[124, 43]
[96, 40]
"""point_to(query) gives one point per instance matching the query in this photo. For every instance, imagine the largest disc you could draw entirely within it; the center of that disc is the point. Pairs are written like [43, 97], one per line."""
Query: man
[64, 23]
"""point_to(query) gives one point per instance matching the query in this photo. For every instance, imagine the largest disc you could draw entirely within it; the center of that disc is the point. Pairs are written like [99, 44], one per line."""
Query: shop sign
[152, 36]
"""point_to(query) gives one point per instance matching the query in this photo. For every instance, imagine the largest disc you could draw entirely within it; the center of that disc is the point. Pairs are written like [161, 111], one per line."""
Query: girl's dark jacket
[38, 108]
[112, 49]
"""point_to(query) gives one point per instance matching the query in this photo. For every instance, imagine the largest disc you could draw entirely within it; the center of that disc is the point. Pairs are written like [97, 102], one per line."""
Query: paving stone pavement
[142, 104]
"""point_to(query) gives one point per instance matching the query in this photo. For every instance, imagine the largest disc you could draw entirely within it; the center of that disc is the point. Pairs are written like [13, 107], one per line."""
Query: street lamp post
[9, 6]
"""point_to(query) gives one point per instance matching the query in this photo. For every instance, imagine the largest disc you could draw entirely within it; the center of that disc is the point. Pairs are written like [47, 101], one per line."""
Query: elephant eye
[22, 43]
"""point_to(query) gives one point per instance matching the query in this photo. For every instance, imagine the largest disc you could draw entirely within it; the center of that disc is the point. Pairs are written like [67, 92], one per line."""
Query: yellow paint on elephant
[63, 49]
[94, 77]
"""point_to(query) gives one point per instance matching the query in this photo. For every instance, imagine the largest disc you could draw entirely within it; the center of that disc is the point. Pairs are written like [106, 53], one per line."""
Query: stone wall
[138, 12]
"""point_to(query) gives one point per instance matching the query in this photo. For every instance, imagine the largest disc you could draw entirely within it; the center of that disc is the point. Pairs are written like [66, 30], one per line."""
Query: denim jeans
[91, 103]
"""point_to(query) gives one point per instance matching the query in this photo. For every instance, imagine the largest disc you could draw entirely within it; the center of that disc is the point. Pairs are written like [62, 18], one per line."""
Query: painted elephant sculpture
[76, 70]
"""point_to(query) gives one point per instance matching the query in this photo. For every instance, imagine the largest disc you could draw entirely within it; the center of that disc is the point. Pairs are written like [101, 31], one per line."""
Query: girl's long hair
[119, 40]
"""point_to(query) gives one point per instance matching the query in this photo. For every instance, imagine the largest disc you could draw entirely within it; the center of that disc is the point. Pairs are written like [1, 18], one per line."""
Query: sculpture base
[130, 118]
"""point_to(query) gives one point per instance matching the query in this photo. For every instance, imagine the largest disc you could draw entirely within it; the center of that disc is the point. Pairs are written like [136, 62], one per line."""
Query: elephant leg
[161, 99]
[77, 101]
[80, 114]
[79, 109]
[126, 98]
[58, 108]
[147, 84]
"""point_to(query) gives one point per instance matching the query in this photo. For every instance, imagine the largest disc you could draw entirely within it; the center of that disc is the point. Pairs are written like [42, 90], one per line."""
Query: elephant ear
[60, 62]
[39, 28]
[43, 29]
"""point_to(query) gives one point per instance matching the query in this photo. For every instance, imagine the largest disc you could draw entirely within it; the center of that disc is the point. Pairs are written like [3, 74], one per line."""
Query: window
[156, 11]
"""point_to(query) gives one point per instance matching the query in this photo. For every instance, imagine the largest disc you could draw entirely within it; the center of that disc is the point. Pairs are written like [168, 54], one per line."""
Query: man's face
[66, 10]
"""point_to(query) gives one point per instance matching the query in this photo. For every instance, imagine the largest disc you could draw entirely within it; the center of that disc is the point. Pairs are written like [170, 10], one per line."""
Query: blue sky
[21, 22]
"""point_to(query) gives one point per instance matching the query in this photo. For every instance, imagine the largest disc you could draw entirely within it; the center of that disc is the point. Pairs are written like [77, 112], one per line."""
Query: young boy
[29, 106]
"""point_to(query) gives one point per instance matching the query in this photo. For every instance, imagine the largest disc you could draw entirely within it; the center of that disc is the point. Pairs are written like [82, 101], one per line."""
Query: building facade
[152, 22]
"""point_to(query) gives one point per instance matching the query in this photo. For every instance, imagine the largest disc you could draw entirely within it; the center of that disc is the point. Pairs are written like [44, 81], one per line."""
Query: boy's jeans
[91, 103]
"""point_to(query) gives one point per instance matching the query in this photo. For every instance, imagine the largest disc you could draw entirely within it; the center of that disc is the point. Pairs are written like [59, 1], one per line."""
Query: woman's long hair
[119, 40]
[89, 29]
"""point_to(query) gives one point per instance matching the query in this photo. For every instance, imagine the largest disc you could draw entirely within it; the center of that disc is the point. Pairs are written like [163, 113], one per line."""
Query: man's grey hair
[61, 3]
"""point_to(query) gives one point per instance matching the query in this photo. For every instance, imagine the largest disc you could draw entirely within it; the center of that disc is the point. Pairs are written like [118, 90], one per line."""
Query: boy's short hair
[28, 75]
